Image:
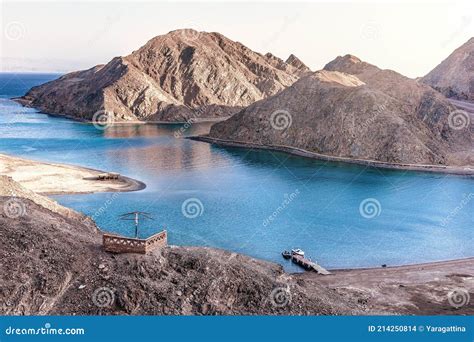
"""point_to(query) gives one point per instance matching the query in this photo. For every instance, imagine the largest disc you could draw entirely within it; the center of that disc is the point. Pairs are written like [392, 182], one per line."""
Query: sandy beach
[53, 179]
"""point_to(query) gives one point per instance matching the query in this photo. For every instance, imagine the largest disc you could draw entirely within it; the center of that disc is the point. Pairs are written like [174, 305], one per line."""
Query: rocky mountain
[454, 76]
[173, 77]
[354, 109]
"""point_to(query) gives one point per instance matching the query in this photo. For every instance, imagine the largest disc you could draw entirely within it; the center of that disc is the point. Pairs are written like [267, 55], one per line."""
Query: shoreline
[420, 289]
[440, 263]
[130, 185]
[46, 178]
[26, 103]
[460, 171]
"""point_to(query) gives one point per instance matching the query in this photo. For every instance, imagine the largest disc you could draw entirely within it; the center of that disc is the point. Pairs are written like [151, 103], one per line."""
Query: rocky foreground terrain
[355, 110]
[174, 77]
[454, 76]
[52, 263]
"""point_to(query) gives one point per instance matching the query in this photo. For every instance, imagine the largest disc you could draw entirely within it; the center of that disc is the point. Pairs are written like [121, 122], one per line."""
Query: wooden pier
[309, 265]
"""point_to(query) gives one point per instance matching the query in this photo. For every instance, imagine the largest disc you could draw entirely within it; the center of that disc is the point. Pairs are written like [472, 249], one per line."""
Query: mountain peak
[297, 63]
[354, 110]
[346, 63]
[337, 77]
[170, 78]
[454, 76]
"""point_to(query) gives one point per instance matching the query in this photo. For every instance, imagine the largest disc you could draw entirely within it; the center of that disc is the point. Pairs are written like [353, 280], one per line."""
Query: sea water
[258, 203]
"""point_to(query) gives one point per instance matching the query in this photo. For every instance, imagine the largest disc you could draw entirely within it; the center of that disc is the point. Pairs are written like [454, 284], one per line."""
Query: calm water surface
[313, 205]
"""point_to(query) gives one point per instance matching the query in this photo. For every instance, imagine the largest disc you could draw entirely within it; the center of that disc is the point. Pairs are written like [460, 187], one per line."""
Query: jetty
[297, 256]
[309, 265]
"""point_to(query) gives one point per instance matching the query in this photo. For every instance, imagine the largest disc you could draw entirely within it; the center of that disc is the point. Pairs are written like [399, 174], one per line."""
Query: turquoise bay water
[253, 202]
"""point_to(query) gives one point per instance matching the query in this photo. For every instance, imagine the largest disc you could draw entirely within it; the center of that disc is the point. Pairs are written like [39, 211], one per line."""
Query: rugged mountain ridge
[355, 110]
[454, 77]
[173, 77]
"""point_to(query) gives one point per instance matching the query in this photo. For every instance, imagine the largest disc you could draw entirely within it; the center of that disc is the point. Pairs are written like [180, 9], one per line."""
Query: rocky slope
[53, 263]
[173, 77]
[454, 76]
[355, 110]
[61, 269]
[16, 193]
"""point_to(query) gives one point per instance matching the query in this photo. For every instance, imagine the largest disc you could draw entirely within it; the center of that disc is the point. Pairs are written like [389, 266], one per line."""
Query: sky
[409, 37]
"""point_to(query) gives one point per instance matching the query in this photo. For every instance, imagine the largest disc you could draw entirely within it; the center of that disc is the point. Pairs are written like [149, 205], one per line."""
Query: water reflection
[171, 154]
[154, 130]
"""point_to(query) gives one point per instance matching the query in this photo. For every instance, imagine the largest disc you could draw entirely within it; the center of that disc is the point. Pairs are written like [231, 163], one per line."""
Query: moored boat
[297, 251]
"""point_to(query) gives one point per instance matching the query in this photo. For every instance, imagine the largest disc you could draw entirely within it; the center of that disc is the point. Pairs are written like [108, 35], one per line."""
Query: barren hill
[355, 110]
[454, 76]
[173, 77]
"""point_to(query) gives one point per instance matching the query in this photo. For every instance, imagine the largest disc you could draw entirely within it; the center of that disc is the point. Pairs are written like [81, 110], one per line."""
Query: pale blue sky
[408, 37]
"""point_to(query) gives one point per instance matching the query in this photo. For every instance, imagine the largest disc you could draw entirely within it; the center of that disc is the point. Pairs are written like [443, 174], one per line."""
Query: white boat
[297, 251]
